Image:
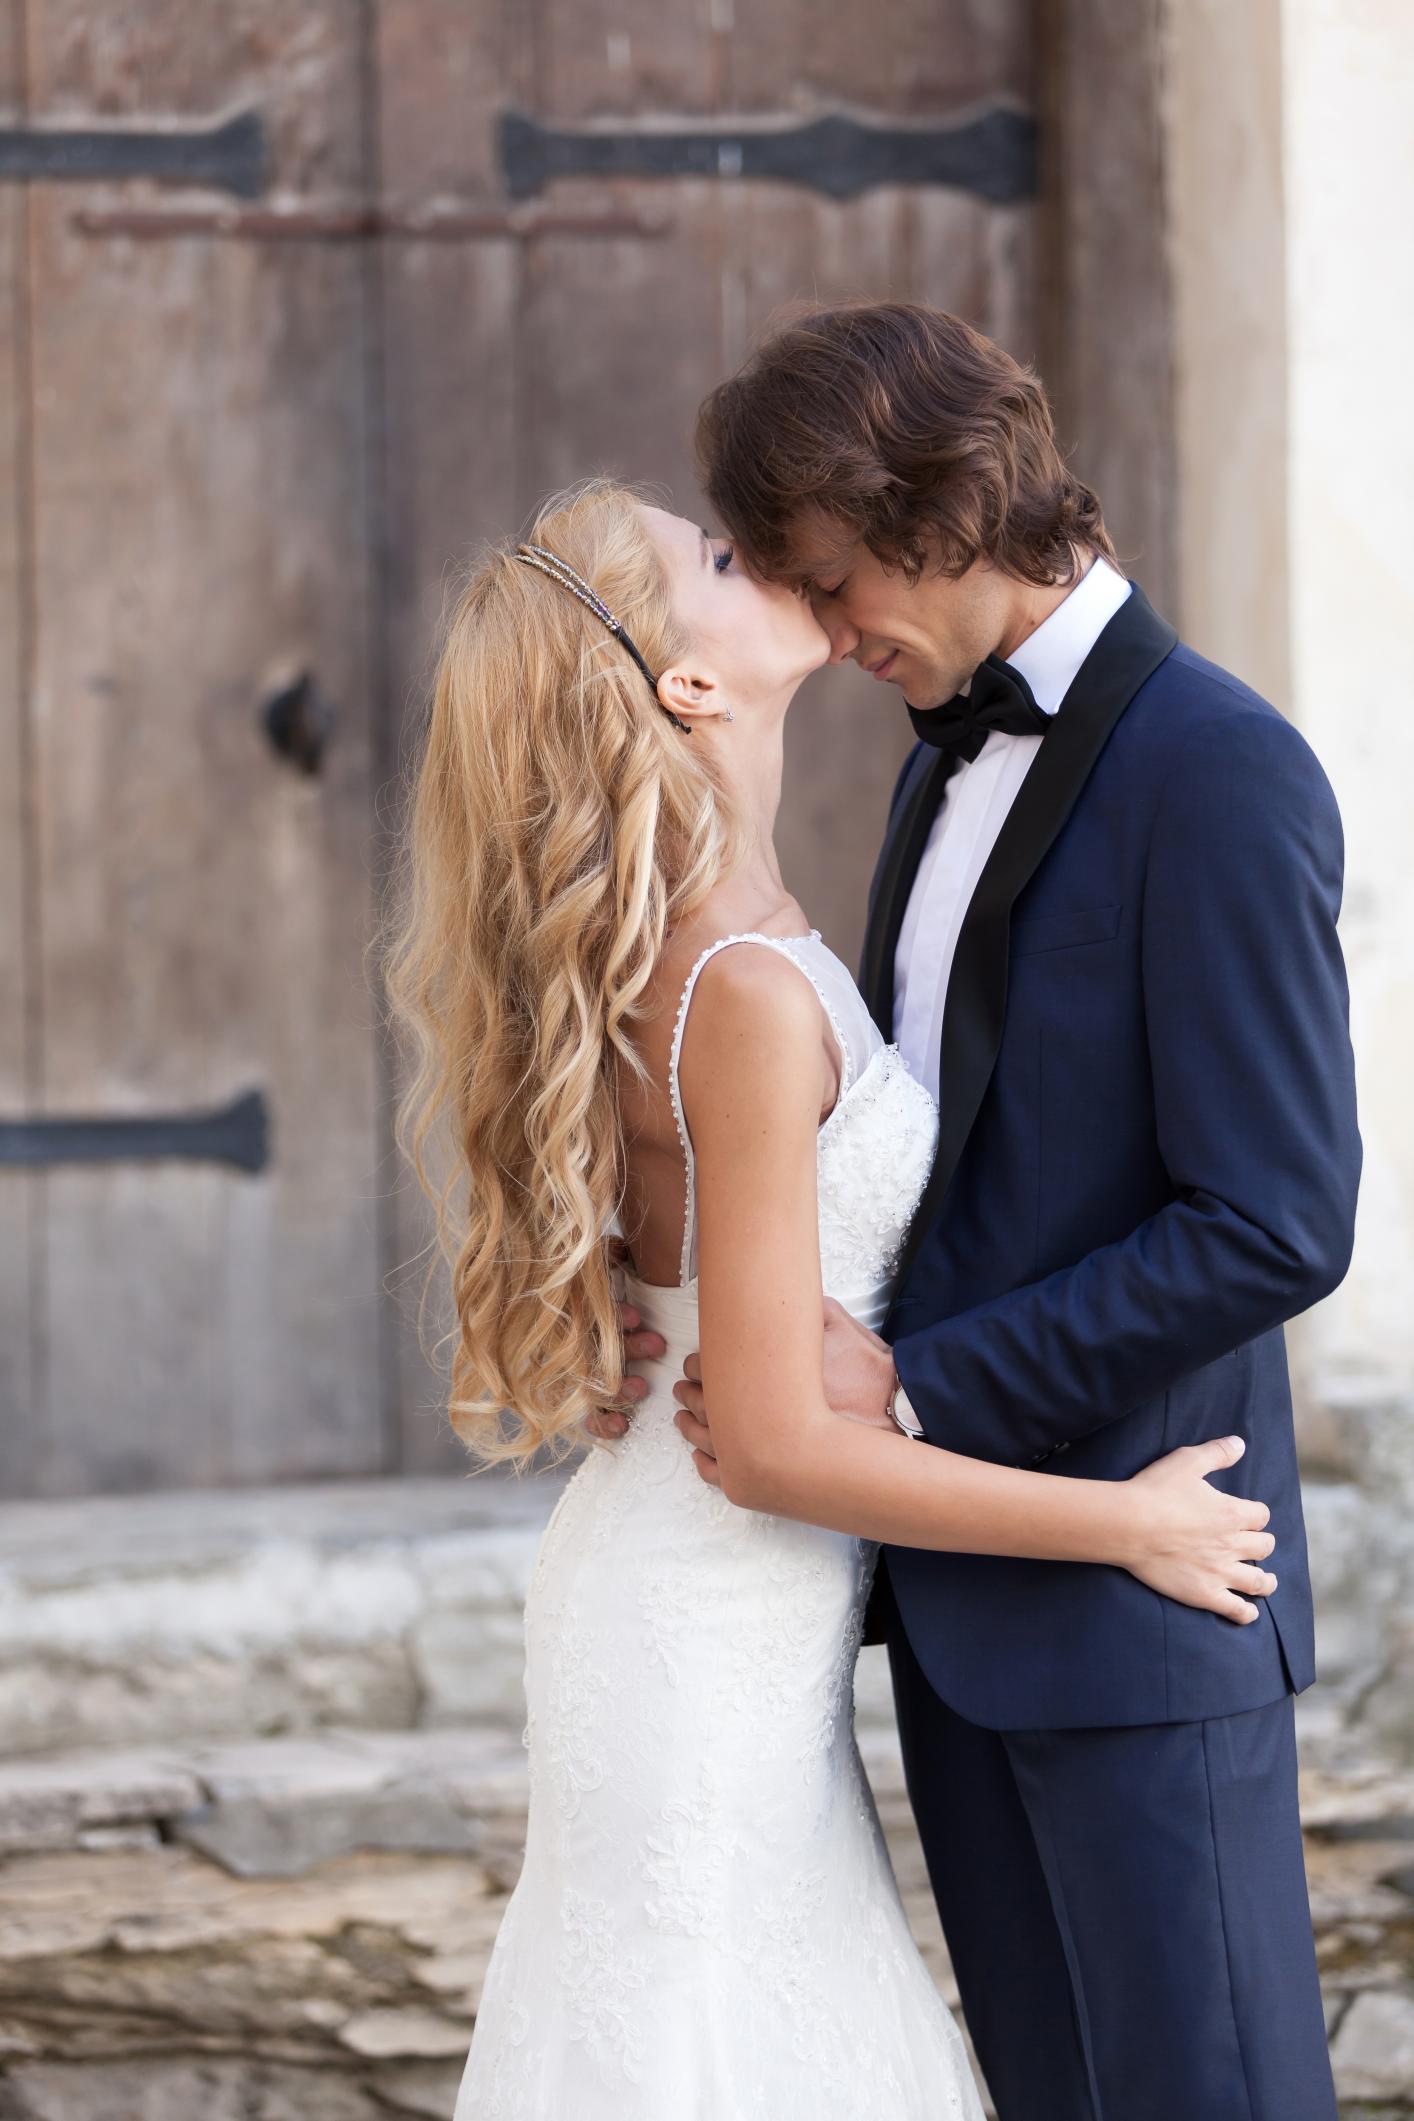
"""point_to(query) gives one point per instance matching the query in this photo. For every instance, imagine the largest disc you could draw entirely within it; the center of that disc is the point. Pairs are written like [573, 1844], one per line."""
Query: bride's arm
[752, 1083]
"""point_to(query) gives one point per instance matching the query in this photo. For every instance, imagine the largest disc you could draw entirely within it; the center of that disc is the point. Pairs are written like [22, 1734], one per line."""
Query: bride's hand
[1195, 1544]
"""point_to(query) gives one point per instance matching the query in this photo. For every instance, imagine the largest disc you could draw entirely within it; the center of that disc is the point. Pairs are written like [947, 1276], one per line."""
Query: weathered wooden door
[472, 252]
[187, 419]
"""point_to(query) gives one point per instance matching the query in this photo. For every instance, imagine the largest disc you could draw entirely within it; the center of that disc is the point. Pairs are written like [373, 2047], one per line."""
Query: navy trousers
[1126, 1910]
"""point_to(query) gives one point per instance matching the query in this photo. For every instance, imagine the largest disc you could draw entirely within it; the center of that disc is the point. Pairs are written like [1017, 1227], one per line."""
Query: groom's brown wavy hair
[907, 429]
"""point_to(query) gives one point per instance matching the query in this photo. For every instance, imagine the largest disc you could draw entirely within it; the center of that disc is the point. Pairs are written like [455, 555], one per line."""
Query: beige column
[1348, 71]
[1223, 92]
[1290, 127]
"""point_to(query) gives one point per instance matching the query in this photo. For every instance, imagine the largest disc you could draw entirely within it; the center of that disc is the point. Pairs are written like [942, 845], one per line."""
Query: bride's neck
[752, 767]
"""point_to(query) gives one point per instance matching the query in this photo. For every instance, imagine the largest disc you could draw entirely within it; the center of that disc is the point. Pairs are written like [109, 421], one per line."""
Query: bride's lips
[881, 670]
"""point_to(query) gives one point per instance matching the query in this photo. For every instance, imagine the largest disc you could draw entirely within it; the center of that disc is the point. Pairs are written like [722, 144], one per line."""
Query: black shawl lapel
[893, 880]
[1127, 653]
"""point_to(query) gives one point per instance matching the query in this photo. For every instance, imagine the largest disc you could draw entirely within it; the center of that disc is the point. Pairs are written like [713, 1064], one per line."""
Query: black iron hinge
[991, 153]
[236, 1134]
[226, 156]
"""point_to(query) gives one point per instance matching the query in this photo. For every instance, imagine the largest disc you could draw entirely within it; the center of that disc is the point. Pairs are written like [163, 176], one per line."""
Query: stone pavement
[262, 1800]
[299, 1927]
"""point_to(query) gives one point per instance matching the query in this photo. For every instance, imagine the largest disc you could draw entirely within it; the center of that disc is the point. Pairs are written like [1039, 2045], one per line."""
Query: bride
[621, 1016]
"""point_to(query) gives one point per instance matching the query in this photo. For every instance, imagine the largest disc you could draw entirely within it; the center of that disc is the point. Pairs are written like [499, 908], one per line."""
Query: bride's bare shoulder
[727, 975]
[754, 1016]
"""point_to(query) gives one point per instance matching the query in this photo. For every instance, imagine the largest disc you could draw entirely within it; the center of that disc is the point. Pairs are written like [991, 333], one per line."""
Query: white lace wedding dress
[707, 1927]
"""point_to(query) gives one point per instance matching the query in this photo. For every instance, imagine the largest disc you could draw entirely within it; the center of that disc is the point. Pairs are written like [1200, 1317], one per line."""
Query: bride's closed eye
[722, 560]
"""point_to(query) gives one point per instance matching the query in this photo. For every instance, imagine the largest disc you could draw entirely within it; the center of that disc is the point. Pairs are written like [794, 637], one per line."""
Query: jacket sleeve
[1246, 1011]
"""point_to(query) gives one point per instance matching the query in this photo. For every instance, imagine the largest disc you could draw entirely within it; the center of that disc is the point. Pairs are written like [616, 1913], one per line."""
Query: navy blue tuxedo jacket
[1148, 1162]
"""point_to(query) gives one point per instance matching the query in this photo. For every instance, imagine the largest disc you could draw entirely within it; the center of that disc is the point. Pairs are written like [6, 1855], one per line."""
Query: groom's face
[926, 637]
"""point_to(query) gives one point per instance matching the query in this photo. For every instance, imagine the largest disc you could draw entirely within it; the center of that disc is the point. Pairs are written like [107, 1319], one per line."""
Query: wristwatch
[901, 1414]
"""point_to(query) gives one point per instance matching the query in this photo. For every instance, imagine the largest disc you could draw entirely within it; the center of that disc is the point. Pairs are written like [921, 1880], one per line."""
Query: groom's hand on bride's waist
[691, 1419]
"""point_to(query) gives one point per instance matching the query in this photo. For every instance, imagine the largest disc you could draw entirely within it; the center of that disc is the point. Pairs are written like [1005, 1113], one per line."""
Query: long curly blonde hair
[557, 828]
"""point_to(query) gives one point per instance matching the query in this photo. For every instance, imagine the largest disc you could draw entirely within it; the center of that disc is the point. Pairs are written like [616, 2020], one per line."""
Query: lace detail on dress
[873, 1171]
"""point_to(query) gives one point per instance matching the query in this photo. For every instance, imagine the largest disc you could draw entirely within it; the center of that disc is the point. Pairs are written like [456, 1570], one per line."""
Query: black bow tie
[999, 698]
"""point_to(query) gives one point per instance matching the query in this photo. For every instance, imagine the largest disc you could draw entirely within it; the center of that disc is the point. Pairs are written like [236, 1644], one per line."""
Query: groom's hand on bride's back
[641, 1344]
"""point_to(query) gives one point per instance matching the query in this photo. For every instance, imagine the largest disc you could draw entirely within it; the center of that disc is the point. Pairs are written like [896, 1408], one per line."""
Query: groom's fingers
[641, 1343]
[607, 1425]
[691, 1396]
[696, 1432]
[1231, 1607]
[707, 1466]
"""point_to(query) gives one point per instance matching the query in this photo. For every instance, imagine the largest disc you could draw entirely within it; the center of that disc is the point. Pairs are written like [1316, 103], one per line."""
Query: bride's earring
[727, 715]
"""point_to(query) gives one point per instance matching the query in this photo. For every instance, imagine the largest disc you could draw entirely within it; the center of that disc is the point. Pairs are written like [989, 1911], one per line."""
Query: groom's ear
[689, 693]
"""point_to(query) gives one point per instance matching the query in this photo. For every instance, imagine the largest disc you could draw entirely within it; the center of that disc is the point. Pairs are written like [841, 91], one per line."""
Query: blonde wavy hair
[556, 828]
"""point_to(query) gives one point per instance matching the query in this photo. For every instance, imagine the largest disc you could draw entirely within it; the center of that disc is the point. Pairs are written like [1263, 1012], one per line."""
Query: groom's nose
[843, 637]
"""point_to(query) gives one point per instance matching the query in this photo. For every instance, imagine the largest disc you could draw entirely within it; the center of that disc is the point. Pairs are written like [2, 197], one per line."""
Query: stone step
[278, 1807]
[300, 1926]
[391, 1604]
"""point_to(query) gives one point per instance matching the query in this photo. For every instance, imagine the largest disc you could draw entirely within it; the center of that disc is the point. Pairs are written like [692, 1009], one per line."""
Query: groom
[1103, 929]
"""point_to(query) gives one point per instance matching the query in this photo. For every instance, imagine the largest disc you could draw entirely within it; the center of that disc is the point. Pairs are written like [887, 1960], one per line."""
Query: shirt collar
[1049, 658]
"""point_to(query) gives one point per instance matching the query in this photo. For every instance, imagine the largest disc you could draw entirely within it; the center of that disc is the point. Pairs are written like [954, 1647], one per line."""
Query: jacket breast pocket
[1064, 931]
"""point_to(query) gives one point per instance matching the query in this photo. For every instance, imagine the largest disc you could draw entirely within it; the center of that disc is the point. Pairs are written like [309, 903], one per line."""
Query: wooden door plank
[619, 341]
[909, 58]
[627, 58]
[200, 508]
[450, 479]
[1106, 292]
[21, 1193]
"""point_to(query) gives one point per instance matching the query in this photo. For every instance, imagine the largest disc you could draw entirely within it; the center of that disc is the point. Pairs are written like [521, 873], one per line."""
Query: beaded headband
[558, 570]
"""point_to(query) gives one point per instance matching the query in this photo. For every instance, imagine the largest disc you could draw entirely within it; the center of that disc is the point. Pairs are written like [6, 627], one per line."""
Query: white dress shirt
[974, 807]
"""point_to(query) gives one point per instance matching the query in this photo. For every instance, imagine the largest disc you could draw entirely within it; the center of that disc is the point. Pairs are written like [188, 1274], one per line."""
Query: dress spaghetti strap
[784, 945]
